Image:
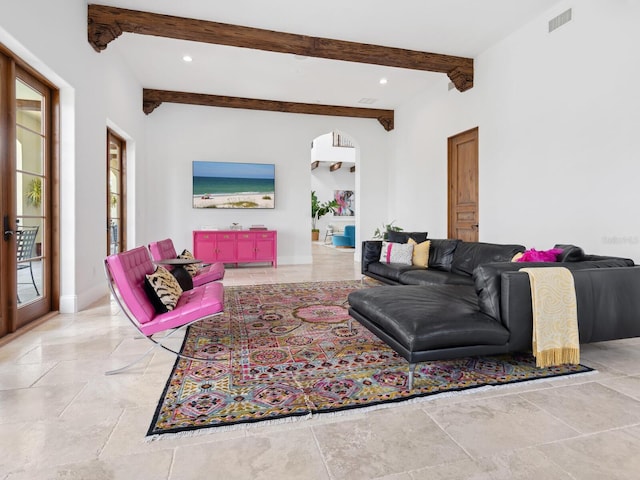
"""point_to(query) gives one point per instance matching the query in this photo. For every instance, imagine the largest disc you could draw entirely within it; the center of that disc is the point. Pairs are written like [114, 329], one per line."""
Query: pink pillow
[534, 255]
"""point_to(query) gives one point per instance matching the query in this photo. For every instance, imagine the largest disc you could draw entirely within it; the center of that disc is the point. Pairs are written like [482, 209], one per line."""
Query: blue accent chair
[347, 239]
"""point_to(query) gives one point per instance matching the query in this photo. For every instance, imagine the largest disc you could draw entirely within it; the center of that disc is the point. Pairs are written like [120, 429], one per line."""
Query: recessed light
[187, 58]
[383, 81]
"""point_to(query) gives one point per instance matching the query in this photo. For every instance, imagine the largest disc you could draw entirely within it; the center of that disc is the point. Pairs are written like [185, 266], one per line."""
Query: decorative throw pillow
[517, 257]
[570, 253]
[396, 253]
[371, 252]
[420, 253]
[403, 237]
[441, 253]
[192, 268]
[534, 255]
[163, 290]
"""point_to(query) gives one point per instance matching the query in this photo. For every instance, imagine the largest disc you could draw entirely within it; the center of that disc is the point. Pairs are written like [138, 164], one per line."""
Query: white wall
[179, 134]
[557, 115]
[95, 89]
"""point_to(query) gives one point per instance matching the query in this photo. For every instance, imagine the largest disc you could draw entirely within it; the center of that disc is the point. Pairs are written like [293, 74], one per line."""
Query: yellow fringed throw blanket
[555, 316]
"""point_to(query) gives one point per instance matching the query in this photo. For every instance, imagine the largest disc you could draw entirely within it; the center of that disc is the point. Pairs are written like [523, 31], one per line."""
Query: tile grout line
[113, 429]
[44, 374]
[448, 435]
[172, 463]
[322, 456]
[85, 386]
[580, 433]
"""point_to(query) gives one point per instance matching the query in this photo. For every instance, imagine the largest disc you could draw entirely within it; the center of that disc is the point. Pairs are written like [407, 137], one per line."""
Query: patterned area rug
[286, 350]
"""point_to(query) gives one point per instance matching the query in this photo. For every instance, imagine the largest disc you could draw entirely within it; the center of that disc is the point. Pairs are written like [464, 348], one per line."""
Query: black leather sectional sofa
[472, 300]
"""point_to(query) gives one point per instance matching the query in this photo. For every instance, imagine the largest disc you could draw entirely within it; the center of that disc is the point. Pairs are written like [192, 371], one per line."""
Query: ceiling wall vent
[368, 101]
[560, 20]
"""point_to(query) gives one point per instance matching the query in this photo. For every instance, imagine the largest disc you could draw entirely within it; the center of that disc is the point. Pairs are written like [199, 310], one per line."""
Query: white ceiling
[453, 27]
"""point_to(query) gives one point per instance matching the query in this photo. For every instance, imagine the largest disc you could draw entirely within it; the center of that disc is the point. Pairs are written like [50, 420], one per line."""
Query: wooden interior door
[463, 186]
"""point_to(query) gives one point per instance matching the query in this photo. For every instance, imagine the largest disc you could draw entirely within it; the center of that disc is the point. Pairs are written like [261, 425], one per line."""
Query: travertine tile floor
[61, 418]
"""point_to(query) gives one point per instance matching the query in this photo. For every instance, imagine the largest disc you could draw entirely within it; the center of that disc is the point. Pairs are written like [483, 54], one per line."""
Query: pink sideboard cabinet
[236, 246]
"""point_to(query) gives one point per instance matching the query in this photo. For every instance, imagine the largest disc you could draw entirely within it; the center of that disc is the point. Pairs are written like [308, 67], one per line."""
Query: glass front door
[25, 199]
[31, 184]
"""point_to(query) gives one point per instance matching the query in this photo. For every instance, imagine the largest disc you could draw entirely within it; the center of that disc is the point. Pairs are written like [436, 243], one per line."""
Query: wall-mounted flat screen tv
[233, 185]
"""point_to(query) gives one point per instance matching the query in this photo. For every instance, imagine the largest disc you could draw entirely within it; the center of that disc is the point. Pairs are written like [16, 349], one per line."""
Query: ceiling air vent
[560, 20]
[368, 101]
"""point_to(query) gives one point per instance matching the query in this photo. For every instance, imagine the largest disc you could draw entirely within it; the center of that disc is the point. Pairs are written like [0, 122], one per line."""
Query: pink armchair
[126, 277]
[164, 249]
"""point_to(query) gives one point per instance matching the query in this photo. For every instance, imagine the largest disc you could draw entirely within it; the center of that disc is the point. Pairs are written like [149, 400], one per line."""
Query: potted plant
[381, 232]
[34, 192]
[33, 196]
[319, 210]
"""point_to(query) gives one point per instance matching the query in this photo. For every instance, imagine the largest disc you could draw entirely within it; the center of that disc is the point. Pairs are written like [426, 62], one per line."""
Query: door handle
[8, 233]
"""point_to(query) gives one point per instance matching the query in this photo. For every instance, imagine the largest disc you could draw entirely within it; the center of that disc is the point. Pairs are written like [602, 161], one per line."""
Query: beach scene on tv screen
[233, 185]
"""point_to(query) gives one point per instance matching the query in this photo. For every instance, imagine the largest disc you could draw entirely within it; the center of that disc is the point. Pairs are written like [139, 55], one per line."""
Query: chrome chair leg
[412, 370]
[158, 343]
[121, 369]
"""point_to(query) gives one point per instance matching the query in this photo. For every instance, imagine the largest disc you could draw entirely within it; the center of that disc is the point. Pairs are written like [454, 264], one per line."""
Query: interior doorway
[463, 186]
[333, 178]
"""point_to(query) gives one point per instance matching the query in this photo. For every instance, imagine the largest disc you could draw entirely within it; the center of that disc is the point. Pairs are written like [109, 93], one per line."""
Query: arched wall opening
[334, 176]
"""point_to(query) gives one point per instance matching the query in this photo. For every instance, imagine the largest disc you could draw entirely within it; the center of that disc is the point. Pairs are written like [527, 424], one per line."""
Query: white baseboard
[294, 259]
[68, 303]
[83, 300]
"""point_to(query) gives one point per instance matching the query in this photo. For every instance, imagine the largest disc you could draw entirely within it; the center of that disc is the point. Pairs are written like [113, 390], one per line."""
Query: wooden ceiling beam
[352, 169]
[335, 166]
[151, 99]
[315, 164]
[106, 23]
